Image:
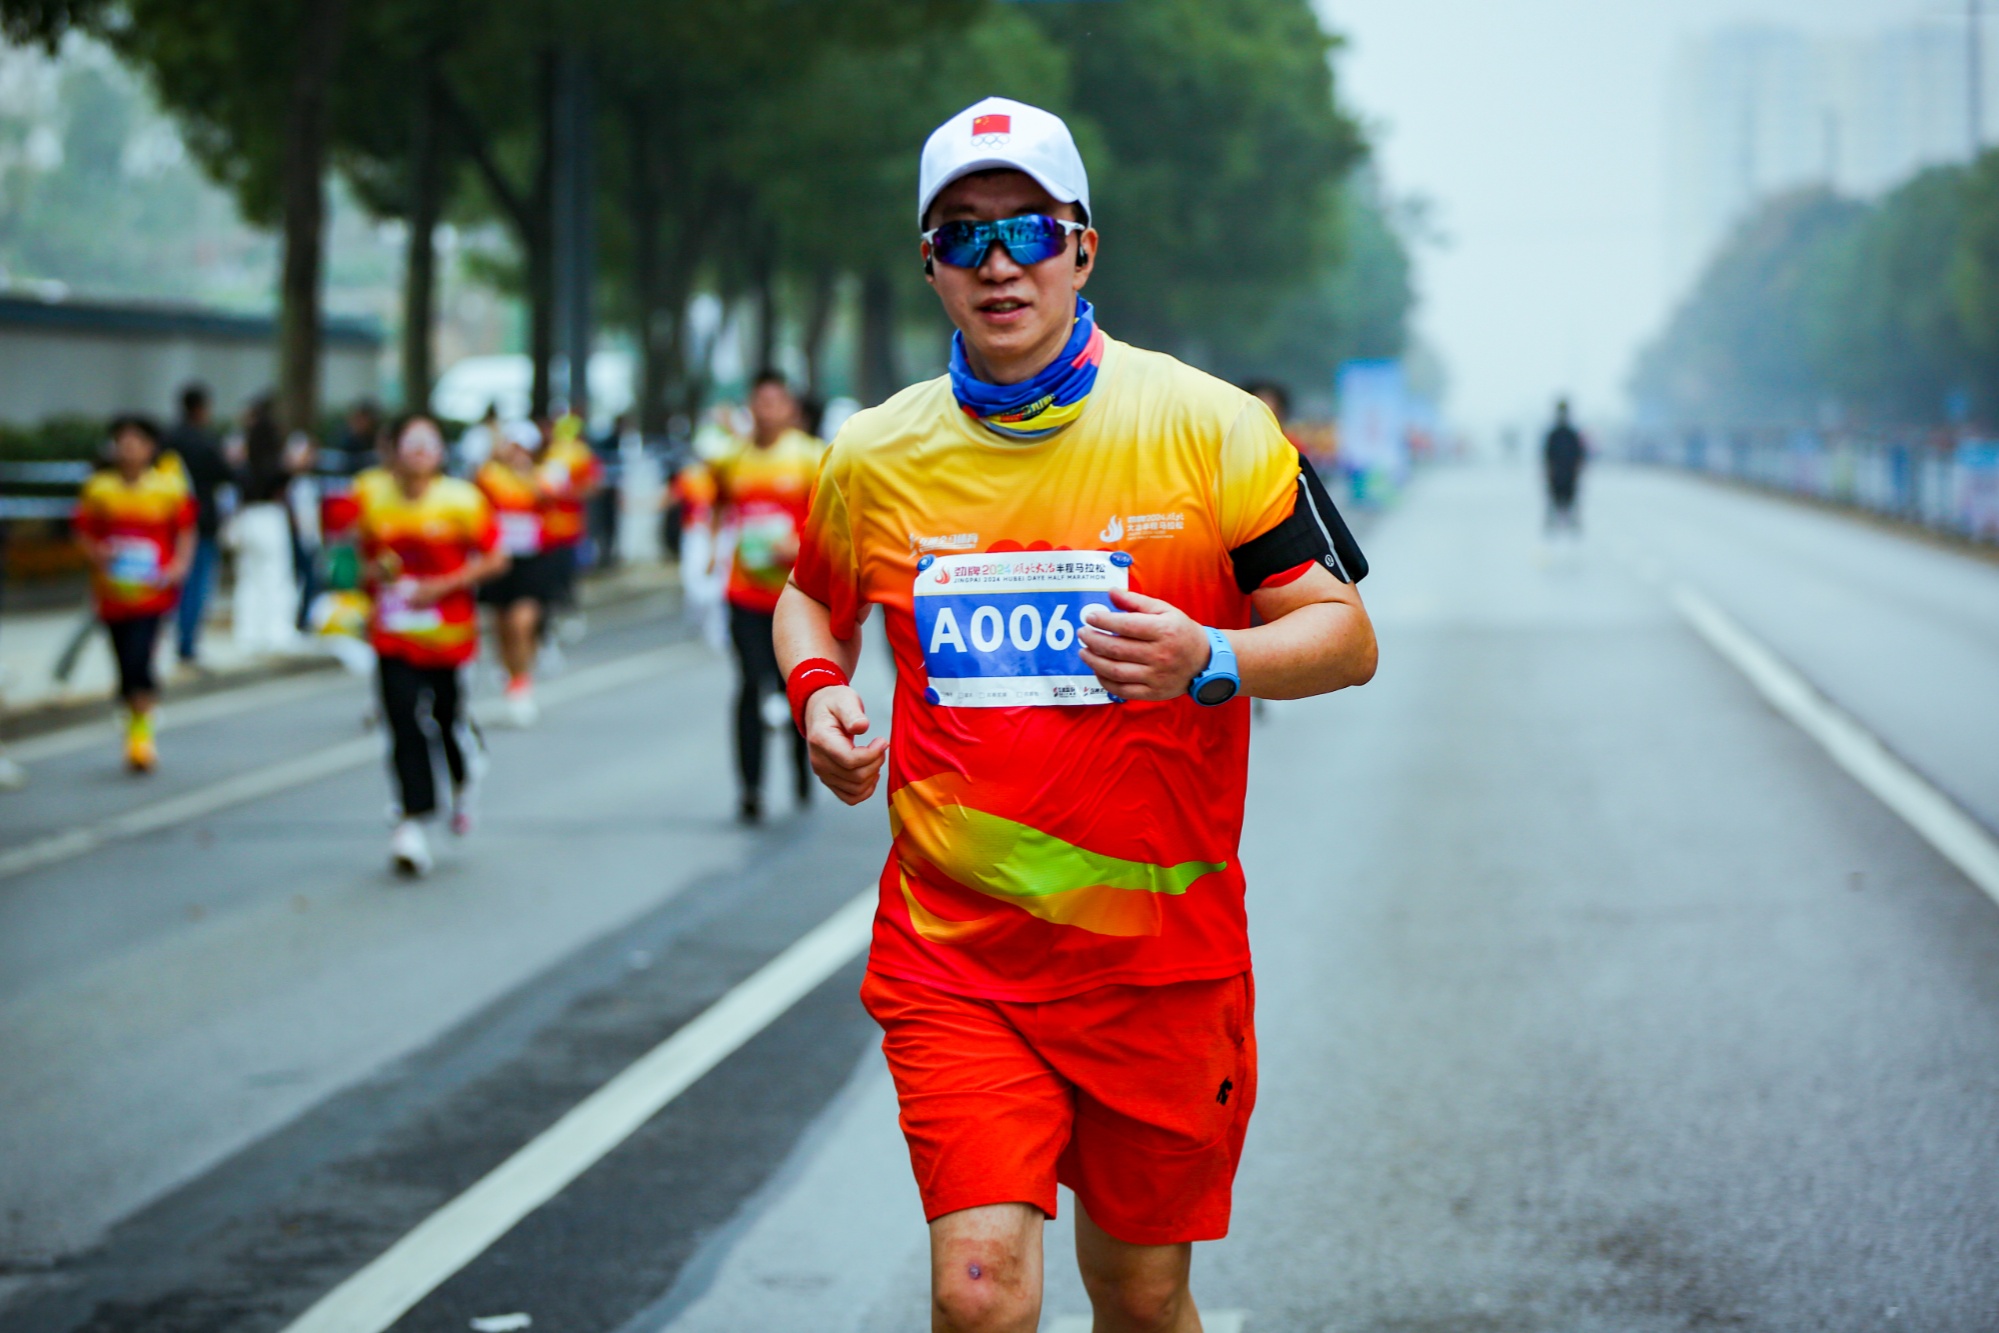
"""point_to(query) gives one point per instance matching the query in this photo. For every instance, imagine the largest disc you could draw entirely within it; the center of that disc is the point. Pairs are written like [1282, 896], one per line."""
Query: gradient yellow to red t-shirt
[766, 492]
[142, 522]
[1043, 851]
[433, 535]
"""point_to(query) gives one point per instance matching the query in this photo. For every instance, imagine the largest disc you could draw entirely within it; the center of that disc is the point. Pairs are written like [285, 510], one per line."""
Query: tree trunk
[878, 375]
[420, 267]
[763, 284]
[819, 323]
[654, 321]
[539, 241]
[304, 203]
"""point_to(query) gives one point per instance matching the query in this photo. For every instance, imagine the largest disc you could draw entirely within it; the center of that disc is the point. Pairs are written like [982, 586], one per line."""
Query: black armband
[1314, 532]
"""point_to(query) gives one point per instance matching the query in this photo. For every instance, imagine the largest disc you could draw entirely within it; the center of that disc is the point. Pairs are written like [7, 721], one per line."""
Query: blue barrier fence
[1949, 486]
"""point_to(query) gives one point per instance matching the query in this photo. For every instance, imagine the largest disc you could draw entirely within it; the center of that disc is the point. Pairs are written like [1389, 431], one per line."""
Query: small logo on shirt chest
[1138, 527]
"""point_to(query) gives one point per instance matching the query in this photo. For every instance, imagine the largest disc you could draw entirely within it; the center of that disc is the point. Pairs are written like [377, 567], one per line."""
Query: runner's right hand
[834, 718]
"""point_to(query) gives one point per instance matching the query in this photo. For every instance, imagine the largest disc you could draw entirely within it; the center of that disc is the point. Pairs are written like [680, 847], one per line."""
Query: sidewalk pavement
[31, 642]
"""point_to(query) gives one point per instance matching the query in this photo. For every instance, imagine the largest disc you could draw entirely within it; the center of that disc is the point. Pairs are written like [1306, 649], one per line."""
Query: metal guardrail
[1948, 486]
[45, 474]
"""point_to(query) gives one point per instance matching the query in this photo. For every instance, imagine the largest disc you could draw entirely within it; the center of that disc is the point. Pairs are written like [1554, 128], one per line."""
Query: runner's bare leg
[1135, 1288]
[985, 1270]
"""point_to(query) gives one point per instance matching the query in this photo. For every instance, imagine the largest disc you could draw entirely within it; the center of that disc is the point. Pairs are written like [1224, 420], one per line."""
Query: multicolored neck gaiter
[1038, 407]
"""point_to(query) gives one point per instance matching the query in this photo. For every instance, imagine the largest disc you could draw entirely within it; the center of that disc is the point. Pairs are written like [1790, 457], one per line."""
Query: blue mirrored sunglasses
[1030, 239]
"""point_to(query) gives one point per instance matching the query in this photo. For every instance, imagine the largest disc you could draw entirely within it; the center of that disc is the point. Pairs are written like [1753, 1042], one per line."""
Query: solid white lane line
[222, 703]
[459, 1232]
[1961, 840]
[311, 767]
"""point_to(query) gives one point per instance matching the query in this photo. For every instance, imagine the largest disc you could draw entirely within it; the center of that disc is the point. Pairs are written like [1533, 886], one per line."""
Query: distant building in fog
[1754, 111]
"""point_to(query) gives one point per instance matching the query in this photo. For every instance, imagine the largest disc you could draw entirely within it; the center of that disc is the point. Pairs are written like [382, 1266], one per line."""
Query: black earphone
[1082, 257]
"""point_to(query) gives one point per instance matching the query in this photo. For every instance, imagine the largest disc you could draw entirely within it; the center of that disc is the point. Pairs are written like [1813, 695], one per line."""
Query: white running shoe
[522, 711]
[409, 850]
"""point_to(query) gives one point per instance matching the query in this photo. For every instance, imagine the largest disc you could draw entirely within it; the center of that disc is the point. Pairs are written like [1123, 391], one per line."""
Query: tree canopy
[764, 152]
[1822, 308]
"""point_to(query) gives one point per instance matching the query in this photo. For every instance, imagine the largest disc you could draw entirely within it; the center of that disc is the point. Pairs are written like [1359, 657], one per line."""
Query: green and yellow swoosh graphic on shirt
[1039, 873]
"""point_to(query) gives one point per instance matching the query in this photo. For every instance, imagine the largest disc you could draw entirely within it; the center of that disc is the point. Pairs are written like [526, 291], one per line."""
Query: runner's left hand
[1146, 649]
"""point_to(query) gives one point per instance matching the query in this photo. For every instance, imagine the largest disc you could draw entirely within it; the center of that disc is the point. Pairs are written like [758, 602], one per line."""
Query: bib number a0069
[1000, 630]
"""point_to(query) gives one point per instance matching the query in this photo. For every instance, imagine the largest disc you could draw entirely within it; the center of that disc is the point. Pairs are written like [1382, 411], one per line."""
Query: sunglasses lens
[1030, 240]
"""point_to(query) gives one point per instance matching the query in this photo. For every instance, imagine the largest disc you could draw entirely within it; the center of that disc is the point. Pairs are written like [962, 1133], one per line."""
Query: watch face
[1217, 691]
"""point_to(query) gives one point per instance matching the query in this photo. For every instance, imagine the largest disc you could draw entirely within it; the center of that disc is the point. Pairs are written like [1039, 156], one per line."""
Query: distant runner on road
[521, 596]
[1562, 455]
[427, 541]
[763, 489]
[1069, 538]
[136, 523]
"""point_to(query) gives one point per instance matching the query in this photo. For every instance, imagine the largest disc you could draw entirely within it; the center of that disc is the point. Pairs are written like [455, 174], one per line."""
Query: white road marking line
[223, 703]
[294, 772]
[454, 1235]
[1961, 839]
[1214, 1321]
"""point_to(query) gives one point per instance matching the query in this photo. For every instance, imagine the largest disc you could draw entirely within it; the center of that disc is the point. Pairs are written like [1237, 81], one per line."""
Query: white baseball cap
[1000, 132]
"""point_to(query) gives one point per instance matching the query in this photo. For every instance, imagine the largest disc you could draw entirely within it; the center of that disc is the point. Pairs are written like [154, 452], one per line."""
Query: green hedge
[56, 439]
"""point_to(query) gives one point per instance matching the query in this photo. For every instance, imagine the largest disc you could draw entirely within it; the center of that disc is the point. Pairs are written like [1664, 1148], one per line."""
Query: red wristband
[807, 679]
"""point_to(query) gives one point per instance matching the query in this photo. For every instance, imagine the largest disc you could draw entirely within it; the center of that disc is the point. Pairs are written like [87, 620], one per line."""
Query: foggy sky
[1536, 129]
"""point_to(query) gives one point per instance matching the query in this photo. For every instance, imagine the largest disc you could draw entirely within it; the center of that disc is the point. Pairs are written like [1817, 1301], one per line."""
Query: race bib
[134, 562]
[520, 533]
[999, 630]
[397, 616]
[766, 539]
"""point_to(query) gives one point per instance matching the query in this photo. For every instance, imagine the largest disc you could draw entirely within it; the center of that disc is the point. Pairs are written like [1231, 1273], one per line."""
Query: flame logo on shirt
[1113, 531]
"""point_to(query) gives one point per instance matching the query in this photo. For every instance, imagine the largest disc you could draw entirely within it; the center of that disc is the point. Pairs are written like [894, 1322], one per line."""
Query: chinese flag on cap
[992, 124]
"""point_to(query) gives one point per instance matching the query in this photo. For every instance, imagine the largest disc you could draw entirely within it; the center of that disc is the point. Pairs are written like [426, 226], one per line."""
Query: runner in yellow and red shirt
[426, 542]
[763, 492]
[135, 521]
[521, 596]
[570, 475]
[1072, 541]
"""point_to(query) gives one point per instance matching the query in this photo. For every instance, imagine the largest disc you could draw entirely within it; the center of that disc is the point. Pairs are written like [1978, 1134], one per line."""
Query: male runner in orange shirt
[1070, 539]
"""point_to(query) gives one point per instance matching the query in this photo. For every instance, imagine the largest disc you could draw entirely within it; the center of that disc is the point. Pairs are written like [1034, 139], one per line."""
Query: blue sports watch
[1217, 682]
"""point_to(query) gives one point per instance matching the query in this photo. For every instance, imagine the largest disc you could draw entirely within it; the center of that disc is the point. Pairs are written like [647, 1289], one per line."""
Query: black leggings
[132, 642]
[756, 659]
[405, 690]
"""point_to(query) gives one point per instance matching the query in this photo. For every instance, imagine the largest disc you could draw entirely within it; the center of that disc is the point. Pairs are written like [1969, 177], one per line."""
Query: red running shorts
[1136, 1097]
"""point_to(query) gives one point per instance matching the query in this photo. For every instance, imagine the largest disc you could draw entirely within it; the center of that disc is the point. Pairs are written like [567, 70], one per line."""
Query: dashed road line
[1941, 822]
[454, 1235]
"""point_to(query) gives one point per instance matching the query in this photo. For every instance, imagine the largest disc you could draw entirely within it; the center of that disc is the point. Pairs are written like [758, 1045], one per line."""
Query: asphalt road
[1594, 996]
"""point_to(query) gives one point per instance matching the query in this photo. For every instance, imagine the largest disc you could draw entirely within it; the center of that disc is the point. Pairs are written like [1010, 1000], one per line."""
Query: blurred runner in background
[1069, 539]
[1562, 455]
[510, 484]
[763, 491]
[428, 541]
[136, 522]
[194, 440]
[570, 474]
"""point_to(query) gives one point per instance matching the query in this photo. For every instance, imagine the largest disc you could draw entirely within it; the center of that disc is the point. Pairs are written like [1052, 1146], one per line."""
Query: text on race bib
[134, 562]
[396, 614]
[520, 533]
[999, 630]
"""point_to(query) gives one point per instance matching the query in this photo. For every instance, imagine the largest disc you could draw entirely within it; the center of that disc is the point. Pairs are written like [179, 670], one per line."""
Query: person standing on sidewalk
[427, 542]
[265, 602]
[763, 492]
[1072, 542]
[136, 522]
[194, 439]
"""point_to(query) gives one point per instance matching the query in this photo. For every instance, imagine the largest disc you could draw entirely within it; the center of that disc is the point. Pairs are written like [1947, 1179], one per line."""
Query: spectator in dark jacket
[200, 450]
